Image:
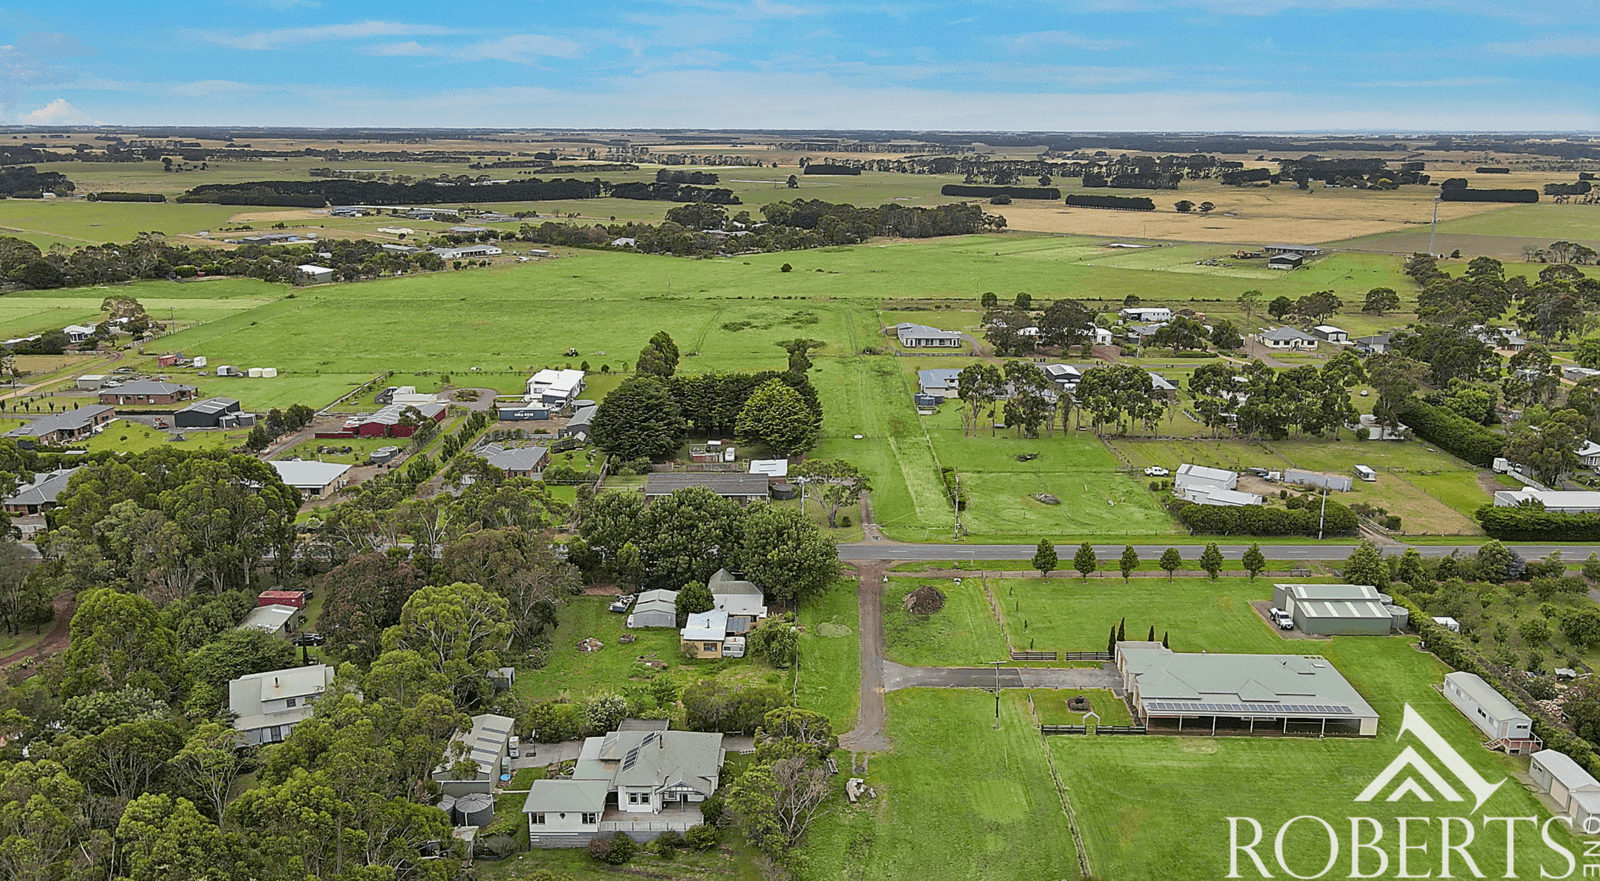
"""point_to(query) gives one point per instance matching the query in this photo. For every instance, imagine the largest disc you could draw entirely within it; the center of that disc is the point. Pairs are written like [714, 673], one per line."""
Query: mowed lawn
[962, 634]
[1065, 613]
[1156, 806]
[957, 799]
[830, 655]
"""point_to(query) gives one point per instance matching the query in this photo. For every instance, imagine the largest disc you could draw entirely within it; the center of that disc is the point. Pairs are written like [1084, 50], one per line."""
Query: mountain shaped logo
[1410, 765]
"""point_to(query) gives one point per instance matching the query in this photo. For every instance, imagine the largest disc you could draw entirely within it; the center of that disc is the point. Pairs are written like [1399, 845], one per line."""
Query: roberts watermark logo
[1410, 760]
[1432, 775]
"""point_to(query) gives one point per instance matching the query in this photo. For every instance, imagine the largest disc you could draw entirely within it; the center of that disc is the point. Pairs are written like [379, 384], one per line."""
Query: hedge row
[1458, 435]
[1492, 169]
[1574, 188]
[1489, 195]
[1246, 176]
[826, 168]
[1258, 520]
[1453, 649]
[1125, 203]
[1531, 524]
[127, 197]
[1014, 192]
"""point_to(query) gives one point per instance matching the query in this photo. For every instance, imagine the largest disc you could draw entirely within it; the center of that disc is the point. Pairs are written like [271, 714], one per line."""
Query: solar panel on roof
[630, 758]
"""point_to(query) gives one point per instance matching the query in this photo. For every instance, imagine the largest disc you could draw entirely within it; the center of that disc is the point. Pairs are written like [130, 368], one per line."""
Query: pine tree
[1122, 630]
[1044, 558]
[1211, 560]
[1084, 560]
[1129, 562]
[1152, 636]
[1111, 641]
[1164, 643]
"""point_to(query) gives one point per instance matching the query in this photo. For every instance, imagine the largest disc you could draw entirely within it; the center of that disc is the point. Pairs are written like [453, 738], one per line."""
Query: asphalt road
[894, 551]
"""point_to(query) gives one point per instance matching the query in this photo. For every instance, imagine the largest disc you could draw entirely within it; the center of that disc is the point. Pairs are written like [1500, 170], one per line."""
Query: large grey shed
[655, 608]
[1334, 609]
[1556, 773]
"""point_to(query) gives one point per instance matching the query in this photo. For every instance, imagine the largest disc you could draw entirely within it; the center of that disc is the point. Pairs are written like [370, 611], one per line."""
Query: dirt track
[868, 734]
[56, 640]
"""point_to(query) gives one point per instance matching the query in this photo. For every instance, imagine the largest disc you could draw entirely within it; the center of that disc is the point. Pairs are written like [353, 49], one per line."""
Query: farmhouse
[940, 382]
[476, 757]
[1574, 790]
[1146, 314]
[393, 421]
[1505, 339]
[146, 391]
[39, 494]
[310, 273]
[1138, 333]
[275, 619]
[742, 600]
[1554, 501]
[1240, 694]
[210, 413]
[468, 252]
[1285, 261]
[1334, 609]
[1330, 334]
[555, 388]
[1375, 344]
[704, 634]
[737, 485]
[654, 608]
[313, 479]
[1589, 454]
[516, 461]
[921, 336]
[267, 706]
[1300, 250]
[1286, 338]
[1507, 727]
[57, 428]
[78, 333]
[641, 780]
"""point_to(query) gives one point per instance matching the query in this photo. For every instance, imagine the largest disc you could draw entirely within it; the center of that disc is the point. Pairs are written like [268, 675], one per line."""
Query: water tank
[269, 372]
[199, 360]
[255, 373]
[448, 805]
[475, 809]
[583, 402]
[1399, 616]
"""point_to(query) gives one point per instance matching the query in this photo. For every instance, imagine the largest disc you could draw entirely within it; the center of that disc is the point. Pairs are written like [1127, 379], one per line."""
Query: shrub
[711, 809]
[622, 849]
[668, 842]
[1531, 524]
[785, 268]
[600, 849]
[1454, 433]
[703, 836]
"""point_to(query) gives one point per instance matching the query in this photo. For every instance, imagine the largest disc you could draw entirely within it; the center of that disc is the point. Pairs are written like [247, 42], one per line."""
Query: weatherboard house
[1240, 694]
[921, 336]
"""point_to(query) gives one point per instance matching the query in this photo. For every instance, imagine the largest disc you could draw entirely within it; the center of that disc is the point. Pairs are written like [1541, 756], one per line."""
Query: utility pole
[1323, 517]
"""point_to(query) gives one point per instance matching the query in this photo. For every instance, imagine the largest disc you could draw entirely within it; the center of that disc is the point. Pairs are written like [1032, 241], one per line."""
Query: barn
[1334, 609]
[210, 413]
[390, 421]
[655, 608]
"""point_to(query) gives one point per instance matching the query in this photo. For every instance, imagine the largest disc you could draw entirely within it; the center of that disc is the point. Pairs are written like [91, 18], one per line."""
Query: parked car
[1156, 471]
[1283, 619]
[619, 606]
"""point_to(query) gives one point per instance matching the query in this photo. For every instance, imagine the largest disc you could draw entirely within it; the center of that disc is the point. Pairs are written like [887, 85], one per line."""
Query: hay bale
[925, 600]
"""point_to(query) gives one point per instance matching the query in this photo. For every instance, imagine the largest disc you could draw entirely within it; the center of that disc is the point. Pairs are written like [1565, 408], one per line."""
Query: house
[1574, 790]
[1334, 609]
[579, 425]
[1377, 431]
[1286, 338]
[58, 428]
[147, 391]
[476, 757]
[1506, 726]
[79, 333]
[737, 485]
[555, 388]
[1065, 376]
[1146, 314]
[1301, 250]
[1240, 694]
[704, 634]
[743, 601]
[774, 470]
[468, 252]
[940, 382]
[313, 479]
[210, 413]
[39, 494]
[1574, 373]
[517, 461]
[1101, 336]
[1162, 386]
[1554, 501]
[1589, 454]
[654, 608]
[1336, 482]
[311, 273]
[641, 780]
[275, 619]
[1285, 261]
[267, 706]
[1375, 344]
[1504, 339]
[1137, 334]
[921, 336]
[395, 420]
[1330, 334]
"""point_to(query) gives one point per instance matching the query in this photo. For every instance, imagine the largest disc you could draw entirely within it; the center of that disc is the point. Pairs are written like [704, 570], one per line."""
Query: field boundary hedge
[1121, 203]
[1471, 195]
[1457, 435]
[1014, 192]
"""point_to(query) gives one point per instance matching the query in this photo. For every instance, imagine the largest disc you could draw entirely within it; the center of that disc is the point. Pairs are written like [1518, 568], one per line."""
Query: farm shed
[1285, 261]
[1506, 726]
[1564, 779]
[1334, 609]
[391, 420]
[1240, 694]
[737, 485]
[1145, 314]
[275, 619]
[1330, 334]
[1554, 501]
[1299, 250]
[91, 382]
[654, 608]
[311, 273]
[1335, 482]
[579, 426]
[314, 479]
[210, 413]
[522, 412]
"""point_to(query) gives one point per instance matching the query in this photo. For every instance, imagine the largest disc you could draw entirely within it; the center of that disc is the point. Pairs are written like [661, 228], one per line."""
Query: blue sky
[1148, 65]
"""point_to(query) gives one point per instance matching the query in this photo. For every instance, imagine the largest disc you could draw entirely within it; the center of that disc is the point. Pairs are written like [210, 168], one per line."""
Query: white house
[1554, 501]
[267, 706]
[1101, 336]
[77, 333]
[555, 388]
[476, 757]
[640, 780]
[1286, 338]
[1589, 454]
[1498, 718]
[1330, 334]
[921, 336]
[1146, 314]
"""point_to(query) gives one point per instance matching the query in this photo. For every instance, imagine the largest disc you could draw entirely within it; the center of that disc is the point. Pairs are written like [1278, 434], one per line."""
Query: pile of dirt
[590, 645]
[925, 600]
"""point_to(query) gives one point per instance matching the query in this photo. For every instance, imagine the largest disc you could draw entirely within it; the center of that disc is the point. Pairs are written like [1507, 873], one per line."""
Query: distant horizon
[1324, 66]
[1271, 133]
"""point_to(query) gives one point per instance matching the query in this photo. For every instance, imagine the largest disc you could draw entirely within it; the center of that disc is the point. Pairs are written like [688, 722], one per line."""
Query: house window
[289, 703]
[638, 798]
[589, 819]
[710, 646]
[538, 819]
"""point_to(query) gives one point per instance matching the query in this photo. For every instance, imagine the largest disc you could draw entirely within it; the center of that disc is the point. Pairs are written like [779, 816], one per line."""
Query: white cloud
[45, 45]
[1550, 46]
[260, 40]
[57, 112]
[1042, 40]
[515, 48]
